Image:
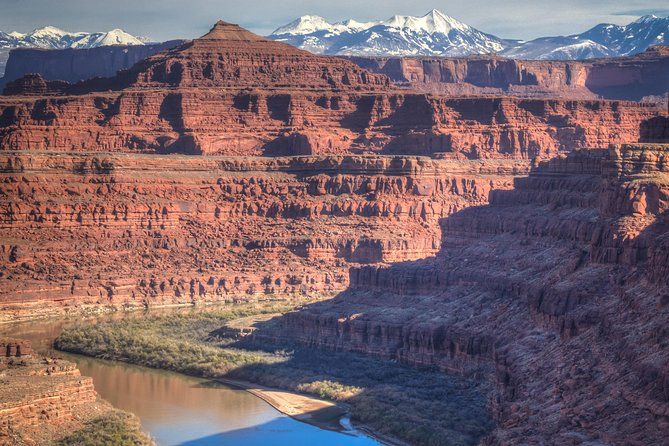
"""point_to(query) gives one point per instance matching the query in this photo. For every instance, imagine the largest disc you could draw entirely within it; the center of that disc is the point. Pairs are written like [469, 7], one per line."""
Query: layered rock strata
[645, 75]
[556, 291]
[42, 399]
[234, 93]
[130, 230]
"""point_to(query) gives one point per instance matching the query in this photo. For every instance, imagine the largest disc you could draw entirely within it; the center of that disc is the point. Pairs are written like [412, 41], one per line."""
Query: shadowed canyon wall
[556, 290]
[73, 65]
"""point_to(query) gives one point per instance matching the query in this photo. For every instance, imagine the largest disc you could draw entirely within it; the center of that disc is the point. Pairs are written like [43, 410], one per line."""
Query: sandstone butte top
[232, 57]
[229, 31]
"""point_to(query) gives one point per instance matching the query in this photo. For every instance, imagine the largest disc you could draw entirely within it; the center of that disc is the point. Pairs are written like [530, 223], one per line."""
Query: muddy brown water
[176, 409]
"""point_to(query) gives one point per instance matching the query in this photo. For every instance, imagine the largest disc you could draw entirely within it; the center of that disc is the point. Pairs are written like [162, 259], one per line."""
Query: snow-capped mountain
[603, 40]
[633, 38]
[113, 37]
[432, 34]
[51, 37]
[558, 48]
[437, 34]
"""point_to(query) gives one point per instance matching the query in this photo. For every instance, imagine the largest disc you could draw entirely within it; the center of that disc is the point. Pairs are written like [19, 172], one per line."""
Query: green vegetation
[418, 405]
[114, 429]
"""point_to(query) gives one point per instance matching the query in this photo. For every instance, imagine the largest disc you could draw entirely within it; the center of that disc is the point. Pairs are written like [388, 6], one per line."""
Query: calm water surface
[180, 410]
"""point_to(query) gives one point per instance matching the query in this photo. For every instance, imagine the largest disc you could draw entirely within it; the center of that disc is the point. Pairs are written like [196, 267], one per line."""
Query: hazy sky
[166, 19]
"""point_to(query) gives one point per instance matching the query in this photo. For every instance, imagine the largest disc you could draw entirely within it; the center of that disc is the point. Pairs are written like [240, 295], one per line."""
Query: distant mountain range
[50, 37]
[434, 34]
[437, 34]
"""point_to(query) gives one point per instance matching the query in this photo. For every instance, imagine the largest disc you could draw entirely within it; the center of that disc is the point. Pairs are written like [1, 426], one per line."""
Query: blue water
[180, 410]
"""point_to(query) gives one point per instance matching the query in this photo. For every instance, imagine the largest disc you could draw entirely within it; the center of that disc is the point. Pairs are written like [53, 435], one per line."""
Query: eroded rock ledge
[42, 399]
[130, 230]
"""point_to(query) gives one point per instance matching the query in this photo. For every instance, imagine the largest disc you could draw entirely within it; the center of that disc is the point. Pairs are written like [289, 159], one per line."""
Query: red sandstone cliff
[121, 230]
[234, 93]
[42, 399]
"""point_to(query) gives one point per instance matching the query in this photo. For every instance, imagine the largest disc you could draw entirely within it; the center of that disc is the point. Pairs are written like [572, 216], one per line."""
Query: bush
[420, 406]
[114, 429]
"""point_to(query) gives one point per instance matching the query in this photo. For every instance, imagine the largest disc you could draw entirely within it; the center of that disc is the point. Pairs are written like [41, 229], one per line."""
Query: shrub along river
[180, 410]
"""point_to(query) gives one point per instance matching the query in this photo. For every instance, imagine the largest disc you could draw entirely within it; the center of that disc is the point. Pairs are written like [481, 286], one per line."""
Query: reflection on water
[181, 410]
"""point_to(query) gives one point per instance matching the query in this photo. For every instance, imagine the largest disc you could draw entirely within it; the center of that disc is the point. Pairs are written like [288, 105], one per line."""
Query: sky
[170, 19]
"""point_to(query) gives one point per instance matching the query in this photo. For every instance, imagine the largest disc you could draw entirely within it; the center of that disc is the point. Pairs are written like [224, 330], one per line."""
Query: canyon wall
[130, 230]
[4, 56]
[555, 290]
[265, 123]
[627, 78]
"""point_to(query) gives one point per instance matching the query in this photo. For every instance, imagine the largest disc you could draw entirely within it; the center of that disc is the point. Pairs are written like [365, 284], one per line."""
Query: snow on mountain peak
[433, 22]
[306, 24]
[48, 31]
[646, 18]
[50, 37]
[113, 37]
[437, 34]
[434, 33]
[354, 25]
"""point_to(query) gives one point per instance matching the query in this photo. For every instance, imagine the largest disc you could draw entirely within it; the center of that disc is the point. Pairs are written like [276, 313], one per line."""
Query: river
[180, 410]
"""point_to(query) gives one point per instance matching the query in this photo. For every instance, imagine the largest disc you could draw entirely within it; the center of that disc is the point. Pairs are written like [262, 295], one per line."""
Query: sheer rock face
[266, 122]
[630, 78]
[556, 290]
[131, 230]
[234, 93]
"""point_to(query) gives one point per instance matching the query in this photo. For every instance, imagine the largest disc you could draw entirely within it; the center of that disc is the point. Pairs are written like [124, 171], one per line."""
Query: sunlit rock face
[136, 230]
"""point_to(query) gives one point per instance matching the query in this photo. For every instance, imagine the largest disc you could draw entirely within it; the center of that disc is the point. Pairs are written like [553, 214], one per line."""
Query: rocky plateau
[639, 77]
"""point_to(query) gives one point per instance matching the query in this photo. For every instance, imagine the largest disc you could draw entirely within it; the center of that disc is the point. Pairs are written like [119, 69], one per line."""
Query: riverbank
[309, 409]
[415, 405]
[305, 408]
